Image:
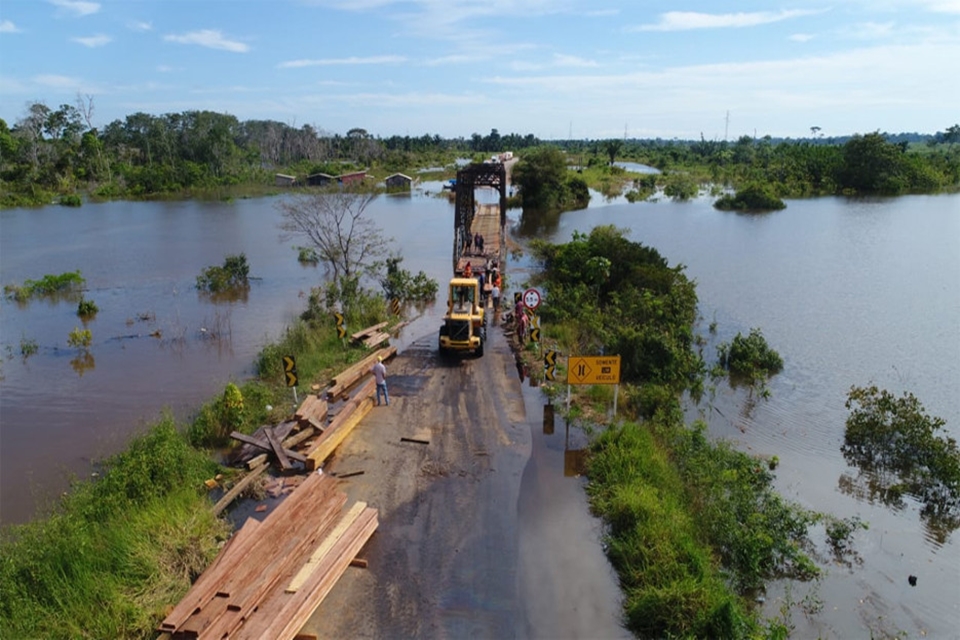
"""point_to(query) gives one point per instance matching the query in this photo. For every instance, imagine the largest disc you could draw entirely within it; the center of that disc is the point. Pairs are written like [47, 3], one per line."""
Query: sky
[586, 69]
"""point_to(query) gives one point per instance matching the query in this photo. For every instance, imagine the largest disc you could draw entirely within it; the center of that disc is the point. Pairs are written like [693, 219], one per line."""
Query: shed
[283, 180]
[320, 179]
[352, 178]
[398, 182]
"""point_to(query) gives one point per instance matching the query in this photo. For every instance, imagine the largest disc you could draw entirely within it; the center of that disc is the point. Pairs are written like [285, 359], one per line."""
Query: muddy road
[474, 540]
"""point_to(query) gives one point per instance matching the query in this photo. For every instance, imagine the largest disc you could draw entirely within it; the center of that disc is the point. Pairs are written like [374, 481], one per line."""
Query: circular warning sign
[531, 298]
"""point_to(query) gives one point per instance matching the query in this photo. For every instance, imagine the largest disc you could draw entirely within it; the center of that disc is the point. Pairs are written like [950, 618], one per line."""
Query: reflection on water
[82, 363]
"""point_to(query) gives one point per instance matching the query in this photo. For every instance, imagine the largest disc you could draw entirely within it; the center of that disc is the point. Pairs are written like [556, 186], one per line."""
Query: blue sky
[593, 68]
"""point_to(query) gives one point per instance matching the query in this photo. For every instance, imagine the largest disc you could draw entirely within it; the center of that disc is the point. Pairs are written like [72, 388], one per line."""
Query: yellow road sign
[550, 358]
[341, 331]
[289, 363]
[593, 370]
[291, 378]
[339, 318]
[534, 335]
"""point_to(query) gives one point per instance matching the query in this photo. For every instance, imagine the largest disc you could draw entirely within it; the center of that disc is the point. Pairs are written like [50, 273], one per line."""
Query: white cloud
[687, 20]
[93, 41]
[871, 30]
[561, 60]
[942, 6]
[801, 37]
[56, 82]
[139, 25]
[8, 27]
[78, 8]
[164, 68]
[210, 38]
[329, 62]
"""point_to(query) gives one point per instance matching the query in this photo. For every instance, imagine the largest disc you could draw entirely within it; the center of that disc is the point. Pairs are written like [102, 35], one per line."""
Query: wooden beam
[341, 426]
[368, 330]
[263, 444]
[206, 585]
[278, 450]
[350, 376]
[345, 522]
[242, 484]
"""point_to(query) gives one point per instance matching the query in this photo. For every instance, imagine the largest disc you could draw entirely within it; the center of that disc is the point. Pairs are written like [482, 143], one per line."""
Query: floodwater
[849, 292]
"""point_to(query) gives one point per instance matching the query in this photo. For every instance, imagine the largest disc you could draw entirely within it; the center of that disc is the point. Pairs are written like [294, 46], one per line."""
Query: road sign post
[290, 374]
[594, 370]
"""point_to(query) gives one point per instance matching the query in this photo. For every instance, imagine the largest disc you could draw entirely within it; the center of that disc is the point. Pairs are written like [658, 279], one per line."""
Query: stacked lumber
[271, 445]
[352, 375]
[351, 413]
[272, 575]
[312, 412]
[376, 339]
[369, 331]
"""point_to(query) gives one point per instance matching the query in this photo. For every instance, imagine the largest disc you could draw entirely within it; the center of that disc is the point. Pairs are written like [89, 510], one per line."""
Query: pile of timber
[372, 336]
[340, 385]
[279, 442]
[272, 575]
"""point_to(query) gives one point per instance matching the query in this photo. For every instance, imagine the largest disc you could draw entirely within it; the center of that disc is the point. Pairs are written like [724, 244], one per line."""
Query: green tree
[873, 165]
[541, 175]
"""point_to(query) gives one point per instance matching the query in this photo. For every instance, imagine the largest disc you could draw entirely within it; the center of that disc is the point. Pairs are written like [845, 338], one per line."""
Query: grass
[113, 552]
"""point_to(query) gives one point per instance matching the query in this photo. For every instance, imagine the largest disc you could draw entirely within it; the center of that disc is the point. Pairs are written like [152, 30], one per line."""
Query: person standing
[379, 371]
[469, 243]
[495, 294]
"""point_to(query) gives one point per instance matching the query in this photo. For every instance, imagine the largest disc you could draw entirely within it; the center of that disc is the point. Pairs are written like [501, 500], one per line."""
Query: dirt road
[443, 563]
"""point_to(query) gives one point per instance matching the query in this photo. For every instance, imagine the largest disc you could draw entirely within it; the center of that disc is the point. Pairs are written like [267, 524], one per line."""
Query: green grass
[673, 584]
[115, 551]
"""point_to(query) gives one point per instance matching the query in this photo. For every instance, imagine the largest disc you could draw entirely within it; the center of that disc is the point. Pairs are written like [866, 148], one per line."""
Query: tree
[335, 223]
[541, 175]
[612, 148]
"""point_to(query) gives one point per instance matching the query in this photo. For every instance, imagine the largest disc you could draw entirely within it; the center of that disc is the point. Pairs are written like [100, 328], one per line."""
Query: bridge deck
[486, 222]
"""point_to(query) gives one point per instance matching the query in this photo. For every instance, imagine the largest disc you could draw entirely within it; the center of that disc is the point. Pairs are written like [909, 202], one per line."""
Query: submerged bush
[232, 275]
[753, 197]
[750, 357]
[888, 435]
[49, 284]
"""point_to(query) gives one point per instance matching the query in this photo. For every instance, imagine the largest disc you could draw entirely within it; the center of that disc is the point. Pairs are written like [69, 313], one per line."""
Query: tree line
[58, 153]
[55, 152]
[862, 164]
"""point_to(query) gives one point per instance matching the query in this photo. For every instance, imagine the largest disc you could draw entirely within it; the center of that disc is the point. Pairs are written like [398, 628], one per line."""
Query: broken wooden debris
[238, 488]
[263, 444]
[349, 474]
[340, 427]
[415, 440]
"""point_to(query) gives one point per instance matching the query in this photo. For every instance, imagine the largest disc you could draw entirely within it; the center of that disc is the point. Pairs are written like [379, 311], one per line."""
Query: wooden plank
[278, 450]
[263, 444]
[350, 376]
[331, 439]
[237, 488]
[376, 340]
[204, 588]
[328, 541]
[368, 330]
[285, 624]
[290, 542]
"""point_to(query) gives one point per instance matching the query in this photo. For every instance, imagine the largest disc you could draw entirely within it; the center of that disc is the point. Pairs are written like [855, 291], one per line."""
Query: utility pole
[726, 126]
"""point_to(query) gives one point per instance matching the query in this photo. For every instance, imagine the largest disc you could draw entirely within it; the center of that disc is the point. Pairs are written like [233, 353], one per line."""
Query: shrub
[232, 275]
[754, 197]
[87, 308]
[71, 200]
[80, 338]
[749, 357]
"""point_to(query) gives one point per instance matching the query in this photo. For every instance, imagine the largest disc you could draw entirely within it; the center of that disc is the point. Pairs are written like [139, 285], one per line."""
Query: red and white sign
[531, 298]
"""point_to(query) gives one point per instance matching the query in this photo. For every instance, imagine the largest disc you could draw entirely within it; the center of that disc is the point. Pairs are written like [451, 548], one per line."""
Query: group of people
[476, 242]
